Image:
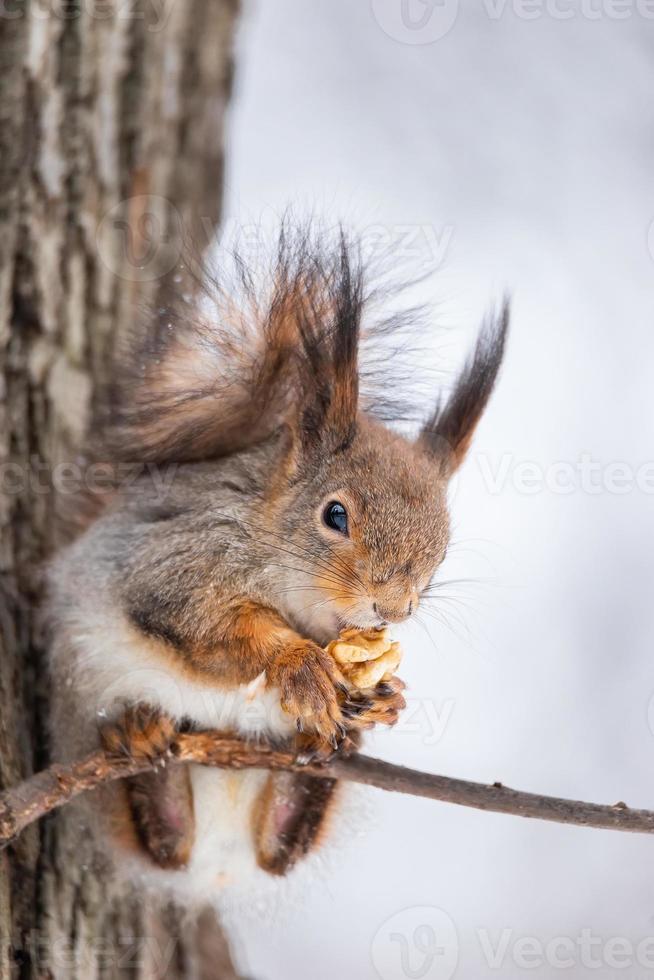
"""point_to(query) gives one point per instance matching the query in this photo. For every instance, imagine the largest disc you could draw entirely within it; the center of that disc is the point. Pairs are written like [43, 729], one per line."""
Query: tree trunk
[111, 149]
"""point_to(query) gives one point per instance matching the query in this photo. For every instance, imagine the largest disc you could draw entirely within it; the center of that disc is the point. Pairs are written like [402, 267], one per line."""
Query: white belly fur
[110, 670]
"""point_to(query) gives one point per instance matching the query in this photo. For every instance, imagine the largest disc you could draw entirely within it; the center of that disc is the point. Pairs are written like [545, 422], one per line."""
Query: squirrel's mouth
[360, 622]
[326, 619]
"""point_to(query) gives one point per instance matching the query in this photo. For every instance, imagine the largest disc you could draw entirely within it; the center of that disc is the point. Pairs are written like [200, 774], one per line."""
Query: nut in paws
[366, 657]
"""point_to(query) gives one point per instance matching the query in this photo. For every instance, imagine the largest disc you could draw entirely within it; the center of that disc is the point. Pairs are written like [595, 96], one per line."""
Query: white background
[521, 142]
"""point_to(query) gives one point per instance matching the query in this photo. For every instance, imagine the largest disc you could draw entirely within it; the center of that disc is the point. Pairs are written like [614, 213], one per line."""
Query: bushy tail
[222, 369]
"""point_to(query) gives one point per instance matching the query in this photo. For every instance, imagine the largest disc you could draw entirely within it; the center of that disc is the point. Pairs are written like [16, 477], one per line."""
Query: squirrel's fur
[209, 604]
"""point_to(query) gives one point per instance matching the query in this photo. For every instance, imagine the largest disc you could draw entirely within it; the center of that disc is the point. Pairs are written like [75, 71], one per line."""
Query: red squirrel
[293, 513]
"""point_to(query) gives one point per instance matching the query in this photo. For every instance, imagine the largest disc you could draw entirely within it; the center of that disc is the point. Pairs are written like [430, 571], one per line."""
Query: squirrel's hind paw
[141, 732]
[312, 749]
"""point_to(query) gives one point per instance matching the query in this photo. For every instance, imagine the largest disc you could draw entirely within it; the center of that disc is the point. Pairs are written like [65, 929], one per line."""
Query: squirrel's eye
[335, 516]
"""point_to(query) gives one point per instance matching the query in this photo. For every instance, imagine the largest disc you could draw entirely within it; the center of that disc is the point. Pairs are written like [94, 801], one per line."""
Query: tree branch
[55, 786]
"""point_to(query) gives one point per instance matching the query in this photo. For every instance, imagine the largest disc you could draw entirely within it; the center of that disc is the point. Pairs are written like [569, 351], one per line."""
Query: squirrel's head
[364, 529]
[359, 510]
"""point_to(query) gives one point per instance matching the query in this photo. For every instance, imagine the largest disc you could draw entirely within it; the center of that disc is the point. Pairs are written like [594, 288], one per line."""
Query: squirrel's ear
[448, 432]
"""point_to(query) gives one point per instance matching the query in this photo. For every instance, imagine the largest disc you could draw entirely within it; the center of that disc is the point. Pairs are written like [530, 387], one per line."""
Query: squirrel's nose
[392, 612]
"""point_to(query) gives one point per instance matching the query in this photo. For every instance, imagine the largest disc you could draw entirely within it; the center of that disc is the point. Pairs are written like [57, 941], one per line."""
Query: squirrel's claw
[313, 749]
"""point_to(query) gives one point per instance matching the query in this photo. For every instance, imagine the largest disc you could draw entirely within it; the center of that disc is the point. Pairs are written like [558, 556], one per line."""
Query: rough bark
[111, 143]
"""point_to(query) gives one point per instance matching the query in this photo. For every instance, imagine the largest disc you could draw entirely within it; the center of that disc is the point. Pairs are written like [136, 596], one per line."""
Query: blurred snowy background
[510, 143]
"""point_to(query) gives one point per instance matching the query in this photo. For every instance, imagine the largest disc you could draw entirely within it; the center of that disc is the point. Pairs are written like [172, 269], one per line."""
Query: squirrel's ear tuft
[448, 432]
[326, 306]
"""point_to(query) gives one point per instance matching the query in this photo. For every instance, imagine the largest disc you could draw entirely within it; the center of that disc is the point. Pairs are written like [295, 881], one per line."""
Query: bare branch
[55, 786]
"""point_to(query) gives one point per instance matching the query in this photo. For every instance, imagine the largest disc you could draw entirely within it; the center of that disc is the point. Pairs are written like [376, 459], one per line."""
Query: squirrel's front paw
[380, 705]
[141, 732]
[310, 683]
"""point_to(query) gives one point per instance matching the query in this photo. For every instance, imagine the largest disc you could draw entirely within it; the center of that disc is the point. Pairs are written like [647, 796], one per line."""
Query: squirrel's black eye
[335, 516]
